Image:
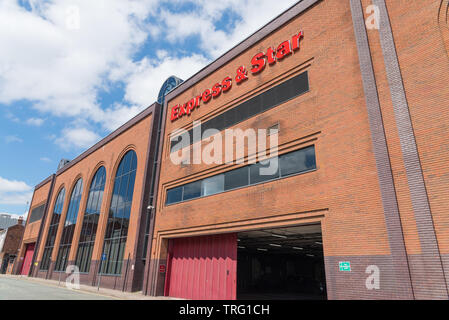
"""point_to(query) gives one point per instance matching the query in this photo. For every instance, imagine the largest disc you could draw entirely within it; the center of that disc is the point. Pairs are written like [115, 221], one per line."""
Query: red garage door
[27, 259]
[202, 268]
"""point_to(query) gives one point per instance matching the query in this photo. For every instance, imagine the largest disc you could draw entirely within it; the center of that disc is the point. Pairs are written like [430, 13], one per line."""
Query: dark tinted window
[72, 213]
[192, 190]
[174, 195]
[269, 99]
[69, 227]
[114, 250]
[236, 178]
[37, 214]
[52, 230]
[299, 161]
[260, 172]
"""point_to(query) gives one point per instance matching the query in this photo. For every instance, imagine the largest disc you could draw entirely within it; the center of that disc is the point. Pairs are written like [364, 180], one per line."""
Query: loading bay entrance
[277, 263]
[281, 263]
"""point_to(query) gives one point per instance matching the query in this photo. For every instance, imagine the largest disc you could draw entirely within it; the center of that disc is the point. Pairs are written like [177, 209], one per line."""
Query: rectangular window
[83, 256]
[267, 100]
[212, 185]
[52, 235]
[260, 172]
[192, 190]
[298, 161]
[174, 195]
[37, 214]
[237, 178]
[46, 259]
[114, 249]
[295, 162]
[63, 256]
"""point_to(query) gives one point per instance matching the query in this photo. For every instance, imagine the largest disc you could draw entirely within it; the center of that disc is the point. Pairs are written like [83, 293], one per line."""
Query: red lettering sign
[285, 49]
[258, 64]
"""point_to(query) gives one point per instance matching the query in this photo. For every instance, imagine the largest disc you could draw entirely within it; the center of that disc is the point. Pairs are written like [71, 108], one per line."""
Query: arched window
[52, 230]
[90, 221]
[119, 213]
[69, 227]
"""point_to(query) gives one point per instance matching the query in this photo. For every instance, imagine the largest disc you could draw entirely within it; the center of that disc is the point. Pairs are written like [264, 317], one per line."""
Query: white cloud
[9, 115]
[161, 54]
[77, 137]
[144, 84]
[250, 16]
[12, 139]
[45, 159]
[16, 198]
[35, 122]
[13, 192]
[61, 70]
[117, 115]
[13, 185]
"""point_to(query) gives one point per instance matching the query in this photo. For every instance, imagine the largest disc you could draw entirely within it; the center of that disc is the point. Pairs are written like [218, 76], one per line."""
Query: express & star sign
[258, 63]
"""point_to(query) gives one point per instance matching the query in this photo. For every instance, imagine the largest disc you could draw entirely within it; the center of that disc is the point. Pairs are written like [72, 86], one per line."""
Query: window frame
[36, 209]
[248, 166]
[48, 248]
[85, 248]
[65, 242]
[113, 240]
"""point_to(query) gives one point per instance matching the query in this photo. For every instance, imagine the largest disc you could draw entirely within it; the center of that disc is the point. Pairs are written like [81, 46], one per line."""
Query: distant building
[6, 221]
[10, 240]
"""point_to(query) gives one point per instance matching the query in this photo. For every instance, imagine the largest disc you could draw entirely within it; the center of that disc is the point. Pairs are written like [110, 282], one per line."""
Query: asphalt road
[18, 289]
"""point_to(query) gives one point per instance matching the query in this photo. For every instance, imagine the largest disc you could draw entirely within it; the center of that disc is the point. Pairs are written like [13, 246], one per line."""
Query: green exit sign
[345, 266]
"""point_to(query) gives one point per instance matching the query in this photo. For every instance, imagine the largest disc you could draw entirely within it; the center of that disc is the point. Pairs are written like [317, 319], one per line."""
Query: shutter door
[27, 259]
[202, 268]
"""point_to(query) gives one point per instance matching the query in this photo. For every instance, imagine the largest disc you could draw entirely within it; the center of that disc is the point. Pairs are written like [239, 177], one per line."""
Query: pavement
[27, 288]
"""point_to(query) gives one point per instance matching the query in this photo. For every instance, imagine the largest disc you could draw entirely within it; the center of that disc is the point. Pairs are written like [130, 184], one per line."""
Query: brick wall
[13, 239]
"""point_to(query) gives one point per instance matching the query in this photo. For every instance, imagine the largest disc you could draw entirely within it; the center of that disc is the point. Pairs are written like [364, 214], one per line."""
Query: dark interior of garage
[281, 263]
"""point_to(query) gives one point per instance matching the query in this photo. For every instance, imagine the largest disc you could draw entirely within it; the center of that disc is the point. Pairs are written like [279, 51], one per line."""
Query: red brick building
[356, 209]
[73, 228]
[10, 240]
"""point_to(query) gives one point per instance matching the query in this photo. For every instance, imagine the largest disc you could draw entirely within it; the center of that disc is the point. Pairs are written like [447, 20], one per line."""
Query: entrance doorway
[281, 263]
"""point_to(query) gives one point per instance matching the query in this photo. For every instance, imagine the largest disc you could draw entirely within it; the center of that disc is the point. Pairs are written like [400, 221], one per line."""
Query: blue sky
[72, 71]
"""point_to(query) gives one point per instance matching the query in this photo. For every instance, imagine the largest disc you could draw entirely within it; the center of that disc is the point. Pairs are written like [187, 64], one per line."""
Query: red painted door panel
[202, 268]
[27, 259]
